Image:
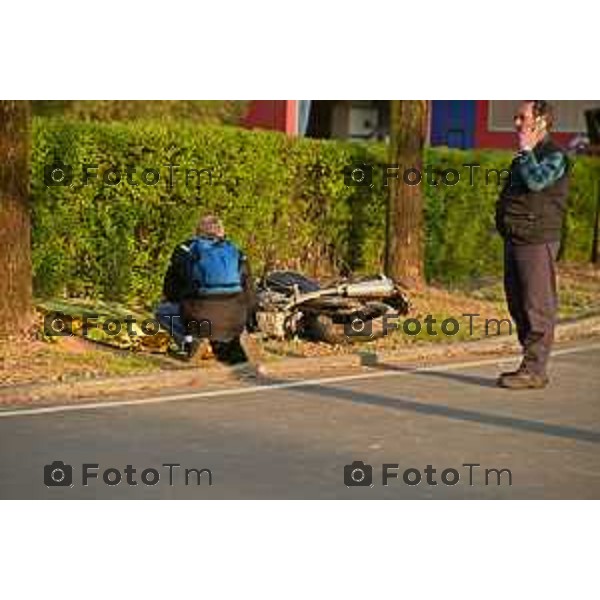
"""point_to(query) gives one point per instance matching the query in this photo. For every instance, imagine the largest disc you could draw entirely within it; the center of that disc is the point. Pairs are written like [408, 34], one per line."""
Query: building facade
[453, 123]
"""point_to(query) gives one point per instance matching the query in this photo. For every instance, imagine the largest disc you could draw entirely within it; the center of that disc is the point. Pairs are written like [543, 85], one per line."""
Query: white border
[492, 550]
[266, 49]
[66, 49]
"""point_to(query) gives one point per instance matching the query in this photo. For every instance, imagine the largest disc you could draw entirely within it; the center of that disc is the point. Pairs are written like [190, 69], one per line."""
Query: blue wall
[453, 123]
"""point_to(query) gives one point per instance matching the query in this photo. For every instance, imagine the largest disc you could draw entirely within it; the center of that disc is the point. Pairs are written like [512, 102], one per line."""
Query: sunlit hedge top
[283, 199]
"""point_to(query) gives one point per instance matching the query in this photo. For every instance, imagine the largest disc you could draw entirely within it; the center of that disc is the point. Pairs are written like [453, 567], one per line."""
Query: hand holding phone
[540, 125]
[532, 135]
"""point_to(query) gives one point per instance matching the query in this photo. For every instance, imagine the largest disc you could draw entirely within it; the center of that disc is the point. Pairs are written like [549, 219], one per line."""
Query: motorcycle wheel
[322, 328]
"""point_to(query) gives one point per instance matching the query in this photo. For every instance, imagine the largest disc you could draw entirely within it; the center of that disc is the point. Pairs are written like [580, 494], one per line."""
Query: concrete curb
[566, 331]
[215, 375]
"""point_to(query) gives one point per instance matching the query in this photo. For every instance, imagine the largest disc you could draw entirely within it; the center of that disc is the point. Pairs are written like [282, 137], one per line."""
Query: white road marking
[274, 386]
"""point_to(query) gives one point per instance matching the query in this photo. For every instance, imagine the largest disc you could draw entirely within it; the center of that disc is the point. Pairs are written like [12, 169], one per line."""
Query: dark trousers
[530, 287]
[226, 317]
[168, 314]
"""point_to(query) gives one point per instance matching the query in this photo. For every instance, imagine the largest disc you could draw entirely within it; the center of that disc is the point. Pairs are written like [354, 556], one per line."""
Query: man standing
[529, 217]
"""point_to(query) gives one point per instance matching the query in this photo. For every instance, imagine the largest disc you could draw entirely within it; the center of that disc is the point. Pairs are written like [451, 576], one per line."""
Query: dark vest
[527, 217]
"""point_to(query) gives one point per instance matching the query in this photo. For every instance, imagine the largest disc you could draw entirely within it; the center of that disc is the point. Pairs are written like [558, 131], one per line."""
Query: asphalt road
[293, 440]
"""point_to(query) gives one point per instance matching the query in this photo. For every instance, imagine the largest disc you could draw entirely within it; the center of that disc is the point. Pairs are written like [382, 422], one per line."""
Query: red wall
[500, 139]
[279, 115]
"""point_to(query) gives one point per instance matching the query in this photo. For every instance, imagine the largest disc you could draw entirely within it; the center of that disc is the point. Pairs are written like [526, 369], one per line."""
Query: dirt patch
[68, 358]
[65, 359]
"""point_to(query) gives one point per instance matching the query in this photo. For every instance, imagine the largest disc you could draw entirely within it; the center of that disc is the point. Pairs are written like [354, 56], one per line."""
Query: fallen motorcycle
[290, 304]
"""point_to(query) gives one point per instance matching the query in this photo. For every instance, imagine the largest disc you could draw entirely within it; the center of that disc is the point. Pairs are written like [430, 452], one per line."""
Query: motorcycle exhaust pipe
[372, 288]
[364, 289]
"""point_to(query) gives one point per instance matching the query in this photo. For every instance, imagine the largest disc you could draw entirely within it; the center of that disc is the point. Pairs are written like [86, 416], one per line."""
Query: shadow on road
[470, 379]
[400, 403]
[489, 382]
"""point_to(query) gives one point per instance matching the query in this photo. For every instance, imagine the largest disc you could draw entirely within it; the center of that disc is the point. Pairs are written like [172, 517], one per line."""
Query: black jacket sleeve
[248, 292]
[176, 281]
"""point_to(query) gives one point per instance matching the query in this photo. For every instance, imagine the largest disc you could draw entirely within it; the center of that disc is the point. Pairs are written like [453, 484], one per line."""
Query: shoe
[177, 351]
[185, 350]
[522, 380]
[191, 348]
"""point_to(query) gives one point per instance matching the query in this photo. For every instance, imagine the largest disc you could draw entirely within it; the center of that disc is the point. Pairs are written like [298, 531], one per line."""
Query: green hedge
[283, 199]
[461, 238]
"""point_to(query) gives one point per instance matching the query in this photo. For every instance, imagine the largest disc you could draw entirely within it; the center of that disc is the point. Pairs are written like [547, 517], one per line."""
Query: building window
[568, 114]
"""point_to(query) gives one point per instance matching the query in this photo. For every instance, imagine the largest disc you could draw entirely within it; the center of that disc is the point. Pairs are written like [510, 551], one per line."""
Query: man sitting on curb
[209, 293]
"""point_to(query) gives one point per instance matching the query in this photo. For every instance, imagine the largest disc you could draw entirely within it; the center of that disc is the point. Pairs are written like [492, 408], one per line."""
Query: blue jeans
[168, 314]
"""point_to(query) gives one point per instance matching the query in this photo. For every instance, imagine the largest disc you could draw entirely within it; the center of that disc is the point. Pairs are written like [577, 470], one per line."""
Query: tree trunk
[16, 312]
[596, 236]
[405, 237]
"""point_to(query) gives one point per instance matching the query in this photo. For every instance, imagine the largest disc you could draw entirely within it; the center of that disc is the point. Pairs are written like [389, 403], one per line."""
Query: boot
[523, 379]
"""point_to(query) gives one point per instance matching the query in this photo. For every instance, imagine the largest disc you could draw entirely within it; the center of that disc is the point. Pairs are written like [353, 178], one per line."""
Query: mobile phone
[540, 124]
